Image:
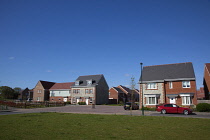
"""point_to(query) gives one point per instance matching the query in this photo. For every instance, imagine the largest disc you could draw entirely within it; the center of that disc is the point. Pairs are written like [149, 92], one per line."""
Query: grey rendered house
[91, 89]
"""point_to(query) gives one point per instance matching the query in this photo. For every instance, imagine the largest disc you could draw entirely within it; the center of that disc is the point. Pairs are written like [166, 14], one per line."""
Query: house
[61, 92]
[122, 94]
[41, 91]
[206, 81]
[200, 94]
[170, 83]
[91, 89]
[25, 94]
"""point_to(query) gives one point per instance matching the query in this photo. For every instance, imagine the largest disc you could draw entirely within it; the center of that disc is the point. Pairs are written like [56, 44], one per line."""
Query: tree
[133, 84]
[7, 92]
[17, 91]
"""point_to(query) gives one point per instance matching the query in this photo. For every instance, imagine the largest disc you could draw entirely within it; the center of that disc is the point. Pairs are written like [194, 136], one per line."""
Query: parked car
[29, 99]
[173, 108]
[127, 106]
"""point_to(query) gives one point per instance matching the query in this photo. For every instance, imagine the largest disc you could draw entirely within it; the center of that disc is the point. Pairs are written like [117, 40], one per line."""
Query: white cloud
[49, 71]
[11, 58]
[127, 75]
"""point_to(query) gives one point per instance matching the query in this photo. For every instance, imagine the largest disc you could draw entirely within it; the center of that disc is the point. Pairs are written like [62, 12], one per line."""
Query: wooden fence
[31, 104]
[203, 101]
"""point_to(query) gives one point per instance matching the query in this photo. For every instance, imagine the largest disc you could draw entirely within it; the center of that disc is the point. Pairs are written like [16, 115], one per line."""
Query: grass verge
[88, 126]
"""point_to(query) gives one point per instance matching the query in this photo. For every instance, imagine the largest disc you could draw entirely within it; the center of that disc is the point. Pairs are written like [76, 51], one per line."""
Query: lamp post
[141, 89]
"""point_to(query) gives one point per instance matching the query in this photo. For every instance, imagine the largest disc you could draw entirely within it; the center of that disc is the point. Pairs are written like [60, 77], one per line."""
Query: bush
[81, 103]
[203, 107]
[68, 102]
[150, 109]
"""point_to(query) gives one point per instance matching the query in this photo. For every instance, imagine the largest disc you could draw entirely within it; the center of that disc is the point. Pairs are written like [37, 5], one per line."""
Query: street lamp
[141, 89]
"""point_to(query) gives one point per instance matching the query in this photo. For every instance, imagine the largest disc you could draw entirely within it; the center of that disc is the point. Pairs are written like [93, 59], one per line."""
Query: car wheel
[186, 112]
[163, 111]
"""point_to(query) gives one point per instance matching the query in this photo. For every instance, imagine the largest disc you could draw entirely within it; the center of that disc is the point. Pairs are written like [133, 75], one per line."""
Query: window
[89, 82]
[76, 91]
[186, 84]
[86, 91]
[52, 94]
[91, 91]
[151, 100]
[91, 100]
[170, 85]
[38, 98]
[39, 91]
[77, 83]
[186, 100]
[152, 86]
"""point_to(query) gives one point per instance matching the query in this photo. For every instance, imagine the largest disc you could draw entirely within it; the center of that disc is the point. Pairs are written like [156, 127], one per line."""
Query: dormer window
[89, 82]
[77, 83]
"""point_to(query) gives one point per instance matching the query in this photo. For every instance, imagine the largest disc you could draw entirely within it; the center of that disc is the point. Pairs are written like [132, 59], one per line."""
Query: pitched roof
[94, 78]
[208, 67]
[118, 89]
[62, 85]
[124, 88]
[46, 84]
[168, 72]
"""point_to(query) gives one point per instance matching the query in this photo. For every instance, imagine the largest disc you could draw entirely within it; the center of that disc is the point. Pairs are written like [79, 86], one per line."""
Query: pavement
[99, 109]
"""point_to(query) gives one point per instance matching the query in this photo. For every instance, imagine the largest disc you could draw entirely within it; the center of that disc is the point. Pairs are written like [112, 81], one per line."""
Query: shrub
[150, 109]
[203, 107]
[68, 102]
[81, 103]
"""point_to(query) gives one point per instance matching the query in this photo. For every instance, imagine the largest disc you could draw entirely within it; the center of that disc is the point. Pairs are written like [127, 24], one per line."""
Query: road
[100, 109]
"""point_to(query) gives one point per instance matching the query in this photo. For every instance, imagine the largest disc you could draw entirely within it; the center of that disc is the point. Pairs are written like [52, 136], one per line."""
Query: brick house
[123, 94]
[171, 83]
[61, 92]
[206, 81]
[24, 94]
[91, 89]
[200, 94]
[41, 91]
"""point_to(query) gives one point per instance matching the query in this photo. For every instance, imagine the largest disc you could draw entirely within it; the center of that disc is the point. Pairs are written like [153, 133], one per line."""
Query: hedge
[203, 107]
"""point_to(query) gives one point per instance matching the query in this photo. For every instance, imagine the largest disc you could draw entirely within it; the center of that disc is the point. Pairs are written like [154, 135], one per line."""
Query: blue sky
[59, 40]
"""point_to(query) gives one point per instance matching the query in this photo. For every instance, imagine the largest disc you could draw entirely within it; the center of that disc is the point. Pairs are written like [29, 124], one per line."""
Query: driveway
[99, 109]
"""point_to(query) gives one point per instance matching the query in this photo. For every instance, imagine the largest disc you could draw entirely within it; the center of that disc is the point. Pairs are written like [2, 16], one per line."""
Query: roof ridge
[46, 81]
[168, 64]
[93, 75]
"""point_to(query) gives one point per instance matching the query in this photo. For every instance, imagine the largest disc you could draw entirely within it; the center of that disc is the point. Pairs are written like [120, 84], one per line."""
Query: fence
[203, 101]
[31, 104]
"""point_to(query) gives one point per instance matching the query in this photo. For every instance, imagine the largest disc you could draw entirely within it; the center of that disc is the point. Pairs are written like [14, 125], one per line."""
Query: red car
[172, 108]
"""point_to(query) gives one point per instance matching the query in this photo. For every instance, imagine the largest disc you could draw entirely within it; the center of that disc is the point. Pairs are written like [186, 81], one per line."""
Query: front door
[87, 101]
[65, 99]
[172, 101]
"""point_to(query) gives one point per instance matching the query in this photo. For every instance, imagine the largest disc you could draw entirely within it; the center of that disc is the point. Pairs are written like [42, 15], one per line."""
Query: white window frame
[89, 82]
[86, 91]
[77, 83]
[151, 101]
[39, 91]
[151, 85]
[186, 100]
[186, 84]
[52, 94]
[170, 85]
[38, 98]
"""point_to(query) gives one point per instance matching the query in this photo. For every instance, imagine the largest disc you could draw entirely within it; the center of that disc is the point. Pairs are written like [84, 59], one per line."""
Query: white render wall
[82, 92]
[60, 93]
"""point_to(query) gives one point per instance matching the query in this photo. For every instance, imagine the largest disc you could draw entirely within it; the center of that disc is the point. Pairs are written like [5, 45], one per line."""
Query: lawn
[88, 126]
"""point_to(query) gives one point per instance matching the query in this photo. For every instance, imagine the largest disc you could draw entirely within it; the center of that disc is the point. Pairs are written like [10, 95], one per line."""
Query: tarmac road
[100, 109]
